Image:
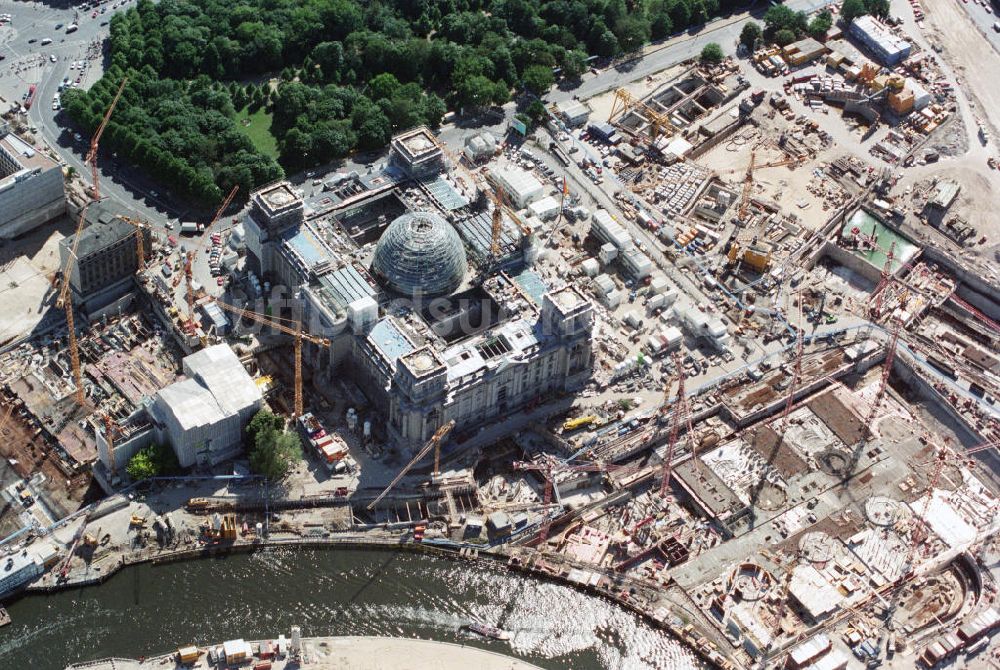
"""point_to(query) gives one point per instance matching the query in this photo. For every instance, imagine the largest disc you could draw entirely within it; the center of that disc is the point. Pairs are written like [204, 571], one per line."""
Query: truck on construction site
[191, 228]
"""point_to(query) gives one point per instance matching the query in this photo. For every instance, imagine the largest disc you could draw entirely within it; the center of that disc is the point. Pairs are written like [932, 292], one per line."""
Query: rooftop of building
[27, 156]
[277, 198]
[879, 32]
[416, 144]
[217, 387]
[104, 227]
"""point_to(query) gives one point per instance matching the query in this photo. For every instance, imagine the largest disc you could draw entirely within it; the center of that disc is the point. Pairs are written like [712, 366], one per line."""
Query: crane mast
[189, 260]
[433, 443]
[296, 333]
[680, 408]
[64, 301]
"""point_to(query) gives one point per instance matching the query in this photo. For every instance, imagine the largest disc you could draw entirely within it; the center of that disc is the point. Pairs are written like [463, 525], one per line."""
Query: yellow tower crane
[297, 335]
[64, 301]
[433, 443]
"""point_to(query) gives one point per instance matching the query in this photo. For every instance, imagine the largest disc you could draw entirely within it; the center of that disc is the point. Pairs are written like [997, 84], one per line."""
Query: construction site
[717, 344]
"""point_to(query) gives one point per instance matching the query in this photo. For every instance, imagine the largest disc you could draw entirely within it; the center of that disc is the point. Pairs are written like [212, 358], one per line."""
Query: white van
[47, 40]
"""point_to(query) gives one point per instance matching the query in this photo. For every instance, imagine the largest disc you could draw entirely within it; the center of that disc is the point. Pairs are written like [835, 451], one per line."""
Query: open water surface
[149, 609]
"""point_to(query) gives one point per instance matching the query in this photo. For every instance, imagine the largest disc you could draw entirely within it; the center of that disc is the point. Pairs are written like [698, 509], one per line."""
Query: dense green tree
[781, 17]
[750, 34]
[877, 7]
[852, 9]
[311, 61]
[474, 91]
[263, 420]
[538, 79]
[820, 24]
[574, 65]
[660, 25]
[712, 53]
[632, 32]
[275, 452]
[152, 461]
[784, 37]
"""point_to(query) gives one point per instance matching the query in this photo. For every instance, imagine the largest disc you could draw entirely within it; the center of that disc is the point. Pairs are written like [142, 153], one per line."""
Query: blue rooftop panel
[532, 284]
[302, 241]
[390, 340]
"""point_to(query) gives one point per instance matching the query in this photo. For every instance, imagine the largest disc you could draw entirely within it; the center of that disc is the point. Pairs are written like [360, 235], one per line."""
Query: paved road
[984, 13]
[680, 47]
[29, 62]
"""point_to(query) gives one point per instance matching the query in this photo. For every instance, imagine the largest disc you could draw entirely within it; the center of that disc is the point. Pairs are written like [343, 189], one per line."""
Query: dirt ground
[969, 54]
[27, 267]
[974, 200]
[730, 160]
[24, 455]
[600, 105]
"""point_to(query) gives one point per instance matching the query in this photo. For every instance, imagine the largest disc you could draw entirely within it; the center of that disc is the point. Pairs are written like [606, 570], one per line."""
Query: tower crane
[96, 139]
[109, 436]
[875, 307]
[189, 260]
[64, 301]
[624, 102]
[496, 229]
[140, 244]
[433, 443]
[681, 413]
[919, 530]
[548, 467]
[297, 335]
[866, 427]
[796, 372]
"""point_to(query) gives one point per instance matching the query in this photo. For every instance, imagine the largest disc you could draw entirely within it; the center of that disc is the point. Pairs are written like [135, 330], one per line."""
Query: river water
[154, 609]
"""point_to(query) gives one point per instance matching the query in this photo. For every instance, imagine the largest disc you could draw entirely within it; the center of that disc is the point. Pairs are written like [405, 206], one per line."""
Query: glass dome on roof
[420, 254]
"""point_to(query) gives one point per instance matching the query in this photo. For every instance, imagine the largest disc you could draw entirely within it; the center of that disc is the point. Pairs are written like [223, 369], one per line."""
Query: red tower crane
[96, 139]
[681, 413]
[189, 260]
[796, 372]
[875, 306]
[890, 356]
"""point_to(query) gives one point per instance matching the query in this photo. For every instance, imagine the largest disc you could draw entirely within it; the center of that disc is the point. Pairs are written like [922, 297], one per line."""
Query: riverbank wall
[497, 555]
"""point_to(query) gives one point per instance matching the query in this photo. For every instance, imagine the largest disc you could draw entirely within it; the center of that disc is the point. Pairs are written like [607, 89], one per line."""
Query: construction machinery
[579, 422]
[866, 426]
[624, 102]
[919, 531]
[91, 158]
[793, 386]
[875, 301]
[189, 260]
[64, 300]
[140, 244]
[748, 180]
[433, 443]
[297, 335]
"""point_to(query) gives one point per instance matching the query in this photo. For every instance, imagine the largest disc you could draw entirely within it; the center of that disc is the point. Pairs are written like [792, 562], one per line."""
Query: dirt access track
[973, 58]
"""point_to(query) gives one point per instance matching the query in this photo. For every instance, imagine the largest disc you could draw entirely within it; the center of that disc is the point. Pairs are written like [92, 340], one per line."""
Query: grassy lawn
[258, 130]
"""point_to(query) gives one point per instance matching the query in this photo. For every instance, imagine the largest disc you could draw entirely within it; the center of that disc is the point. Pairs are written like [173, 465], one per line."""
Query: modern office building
[31, 186]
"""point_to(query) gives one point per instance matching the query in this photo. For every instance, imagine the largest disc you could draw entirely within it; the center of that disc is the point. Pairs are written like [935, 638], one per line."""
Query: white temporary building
[544, 209]
[203, 416]
[519, 185]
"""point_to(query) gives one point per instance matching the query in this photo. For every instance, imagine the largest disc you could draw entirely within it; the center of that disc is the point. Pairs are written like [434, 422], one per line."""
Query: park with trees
[223, 93]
